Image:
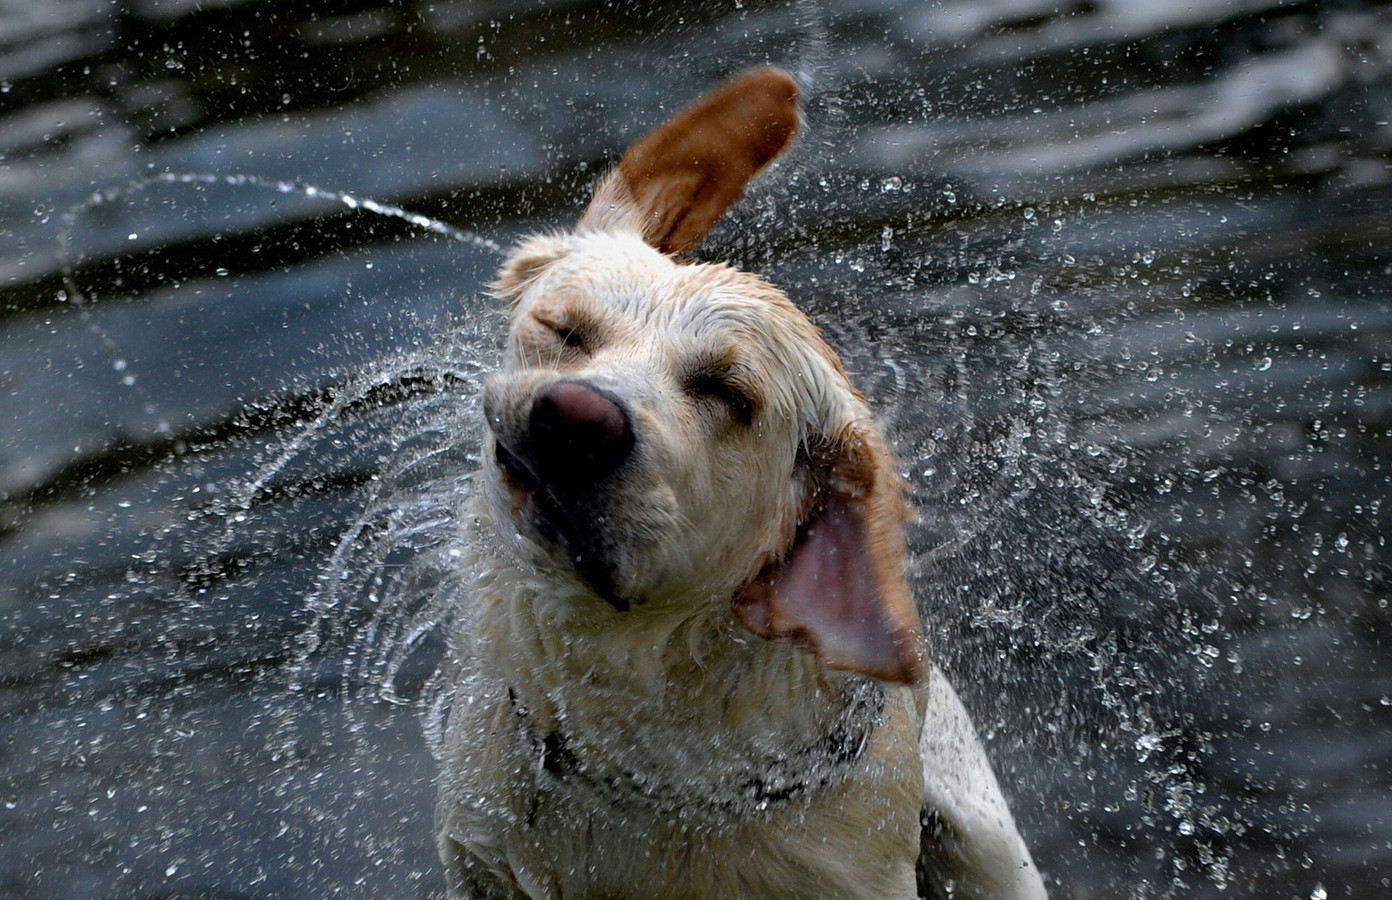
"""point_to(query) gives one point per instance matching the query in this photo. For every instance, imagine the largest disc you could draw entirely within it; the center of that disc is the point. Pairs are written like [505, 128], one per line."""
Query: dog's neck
[683, 707]
[754, 786]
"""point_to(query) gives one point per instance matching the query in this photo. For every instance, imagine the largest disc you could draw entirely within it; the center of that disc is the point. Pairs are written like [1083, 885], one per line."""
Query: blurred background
[1118, 273]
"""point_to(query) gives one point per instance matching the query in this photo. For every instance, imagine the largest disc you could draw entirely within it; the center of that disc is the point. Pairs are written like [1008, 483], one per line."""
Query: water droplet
[220, 271]
[1319, 893]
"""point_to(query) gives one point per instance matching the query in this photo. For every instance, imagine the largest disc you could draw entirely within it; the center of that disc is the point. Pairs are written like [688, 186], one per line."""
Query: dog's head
[671, 436]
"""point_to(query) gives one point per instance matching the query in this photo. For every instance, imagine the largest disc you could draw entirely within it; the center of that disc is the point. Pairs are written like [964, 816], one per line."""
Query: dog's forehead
[620, 278]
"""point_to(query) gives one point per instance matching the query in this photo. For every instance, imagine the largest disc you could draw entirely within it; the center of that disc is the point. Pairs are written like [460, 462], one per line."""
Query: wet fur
[645, 706]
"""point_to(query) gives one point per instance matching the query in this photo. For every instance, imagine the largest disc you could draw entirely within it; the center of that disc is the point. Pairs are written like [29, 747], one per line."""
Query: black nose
[578, 433]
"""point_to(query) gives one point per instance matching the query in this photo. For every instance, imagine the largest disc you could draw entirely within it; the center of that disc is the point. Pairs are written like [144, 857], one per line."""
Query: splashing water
[403, 434]
[1030, 566]
[1046, 392]
[1115, 275]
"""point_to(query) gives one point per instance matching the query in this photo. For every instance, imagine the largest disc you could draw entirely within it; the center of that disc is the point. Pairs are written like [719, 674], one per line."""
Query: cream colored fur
[640, 740]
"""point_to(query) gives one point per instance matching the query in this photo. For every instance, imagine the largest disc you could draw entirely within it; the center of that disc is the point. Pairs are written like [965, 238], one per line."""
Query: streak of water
[124, 191]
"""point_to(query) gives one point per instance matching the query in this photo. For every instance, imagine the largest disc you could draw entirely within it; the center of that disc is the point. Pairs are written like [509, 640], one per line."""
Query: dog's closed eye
[574, 332]
[723, 386]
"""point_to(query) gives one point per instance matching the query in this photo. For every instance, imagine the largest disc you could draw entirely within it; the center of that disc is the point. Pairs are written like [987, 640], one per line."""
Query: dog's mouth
[518, 475]
[565, 520]
[564, 465]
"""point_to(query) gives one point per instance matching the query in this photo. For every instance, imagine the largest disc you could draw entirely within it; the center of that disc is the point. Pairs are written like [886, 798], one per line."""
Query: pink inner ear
[829, 593]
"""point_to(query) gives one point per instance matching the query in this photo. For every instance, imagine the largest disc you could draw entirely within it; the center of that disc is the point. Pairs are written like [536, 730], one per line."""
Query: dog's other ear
[677, 181]
[841, 588]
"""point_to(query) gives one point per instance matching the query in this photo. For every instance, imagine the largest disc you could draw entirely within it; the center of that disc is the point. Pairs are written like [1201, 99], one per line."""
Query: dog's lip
[549, 509]
[514, 469]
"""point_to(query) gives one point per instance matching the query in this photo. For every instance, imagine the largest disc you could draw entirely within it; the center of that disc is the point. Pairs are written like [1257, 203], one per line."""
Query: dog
[693, 666]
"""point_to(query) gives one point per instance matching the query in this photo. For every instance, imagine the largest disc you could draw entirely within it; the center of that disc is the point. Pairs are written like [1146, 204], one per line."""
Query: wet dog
[694, 667]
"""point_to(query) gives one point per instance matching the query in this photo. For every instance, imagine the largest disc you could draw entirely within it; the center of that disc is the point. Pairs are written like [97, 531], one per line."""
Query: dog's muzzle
[577, 438]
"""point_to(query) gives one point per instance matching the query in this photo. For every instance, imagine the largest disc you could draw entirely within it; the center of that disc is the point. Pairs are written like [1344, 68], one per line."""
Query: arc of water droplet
[814, 40]
[411, 612]
[135, 186]
[396, 656]
[325, 597]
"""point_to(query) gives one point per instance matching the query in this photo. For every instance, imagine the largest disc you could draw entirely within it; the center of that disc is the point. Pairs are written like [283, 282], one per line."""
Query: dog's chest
[801, 851]
[684, 760]
[842, 825]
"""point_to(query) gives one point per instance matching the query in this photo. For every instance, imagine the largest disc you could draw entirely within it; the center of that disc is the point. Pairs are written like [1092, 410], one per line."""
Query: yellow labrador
[694, 667]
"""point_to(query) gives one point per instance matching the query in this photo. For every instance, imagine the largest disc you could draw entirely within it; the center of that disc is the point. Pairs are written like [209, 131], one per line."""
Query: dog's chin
[569, 529]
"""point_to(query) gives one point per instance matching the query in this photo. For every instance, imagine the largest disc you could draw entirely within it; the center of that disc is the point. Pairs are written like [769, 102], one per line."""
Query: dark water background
[1119, 274]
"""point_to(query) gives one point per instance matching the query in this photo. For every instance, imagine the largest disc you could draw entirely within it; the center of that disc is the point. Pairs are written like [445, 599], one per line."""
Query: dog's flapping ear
[677, 181]
[841, 588]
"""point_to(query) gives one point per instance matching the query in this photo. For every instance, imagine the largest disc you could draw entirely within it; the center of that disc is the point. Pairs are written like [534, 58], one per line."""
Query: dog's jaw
[558, 453]
[561, 530]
